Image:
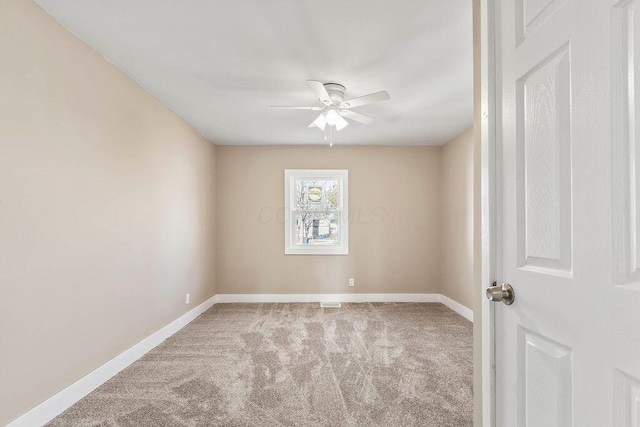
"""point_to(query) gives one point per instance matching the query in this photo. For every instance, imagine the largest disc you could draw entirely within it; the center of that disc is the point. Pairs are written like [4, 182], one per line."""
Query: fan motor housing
[335, 91]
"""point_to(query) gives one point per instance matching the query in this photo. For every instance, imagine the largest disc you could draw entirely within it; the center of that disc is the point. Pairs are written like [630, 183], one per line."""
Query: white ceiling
[220, 64]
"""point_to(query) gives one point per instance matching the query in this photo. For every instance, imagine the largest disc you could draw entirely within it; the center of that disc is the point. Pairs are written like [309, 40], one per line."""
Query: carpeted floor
[374, 364]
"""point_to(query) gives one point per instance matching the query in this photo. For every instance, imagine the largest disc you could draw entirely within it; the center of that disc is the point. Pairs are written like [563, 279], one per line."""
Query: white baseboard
[463, 311]
[257, 298]
[58, 403]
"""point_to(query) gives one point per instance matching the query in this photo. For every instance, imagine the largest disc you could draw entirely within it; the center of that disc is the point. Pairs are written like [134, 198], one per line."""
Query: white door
[568, 212]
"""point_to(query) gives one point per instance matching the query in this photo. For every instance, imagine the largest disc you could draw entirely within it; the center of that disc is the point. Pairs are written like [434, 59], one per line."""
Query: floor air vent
[330, 305]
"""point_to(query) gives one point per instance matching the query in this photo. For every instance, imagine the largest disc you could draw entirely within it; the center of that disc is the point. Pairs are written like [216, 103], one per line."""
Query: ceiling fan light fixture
[342, 123]
[333, 118]
[320, 122]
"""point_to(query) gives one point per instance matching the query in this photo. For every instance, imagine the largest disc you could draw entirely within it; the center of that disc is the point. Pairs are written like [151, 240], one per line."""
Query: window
[316, 212]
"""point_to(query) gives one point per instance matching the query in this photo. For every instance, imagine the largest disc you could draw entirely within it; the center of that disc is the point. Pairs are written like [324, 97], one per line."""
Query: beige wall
[394, 234]
[457, 219]
[106, 211]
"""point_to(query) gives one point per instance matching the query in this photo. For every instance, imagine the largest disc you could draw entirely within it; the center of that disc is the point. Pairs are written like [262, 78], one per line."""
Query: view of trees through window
[317, 211]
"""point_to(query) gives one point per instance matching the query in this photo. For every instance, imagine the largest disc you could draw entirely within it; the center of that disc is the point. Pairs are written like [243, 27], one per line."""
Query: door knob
[504, 293]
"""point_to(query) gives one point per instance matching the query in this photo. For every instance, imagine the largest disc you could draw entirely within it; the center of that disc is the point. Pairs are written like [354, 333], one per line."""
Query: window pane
[317, 210]
[316, 228]
[317, 195]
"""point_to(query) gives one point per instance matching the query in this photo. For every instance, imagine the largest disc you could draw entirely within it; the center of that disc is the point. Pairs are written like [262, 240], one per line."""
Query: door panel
[568, 212]
[626, 139]
[544, 165]
[627, 400]
[545, 392]
[530, 14]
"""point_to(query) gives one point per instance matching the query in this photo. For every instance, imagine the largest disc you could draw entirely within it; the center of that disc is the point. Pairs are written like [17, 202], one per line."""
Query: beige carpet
[375, 364]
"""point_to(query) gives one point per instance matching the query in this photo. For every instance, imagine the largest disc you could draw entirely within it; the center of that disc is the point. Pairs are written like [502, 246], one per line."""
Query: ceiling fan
[334, 108]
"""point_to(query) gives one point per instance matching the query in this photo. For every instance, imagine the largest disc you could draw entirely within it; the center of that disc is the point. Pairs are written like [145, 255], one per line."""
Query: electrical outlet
[186, 300]
[352, 282]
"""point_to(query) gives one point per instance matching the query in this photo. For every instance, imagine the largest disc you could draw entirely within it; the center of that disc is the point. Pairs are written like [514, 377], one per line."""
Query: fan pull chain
[330, 136]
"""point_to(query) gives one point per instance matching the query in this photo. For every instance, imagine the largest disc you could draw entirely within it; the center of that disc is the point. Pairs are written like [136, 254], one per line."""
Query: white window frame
[290, 245]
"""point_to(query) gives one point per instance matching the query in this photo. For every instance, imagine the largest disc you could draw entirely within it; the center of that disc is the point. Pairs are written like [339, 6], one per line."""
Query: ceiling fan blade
[320, 122]
[296, 108]
[320, 91]
[367, 99]
[356, 117]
